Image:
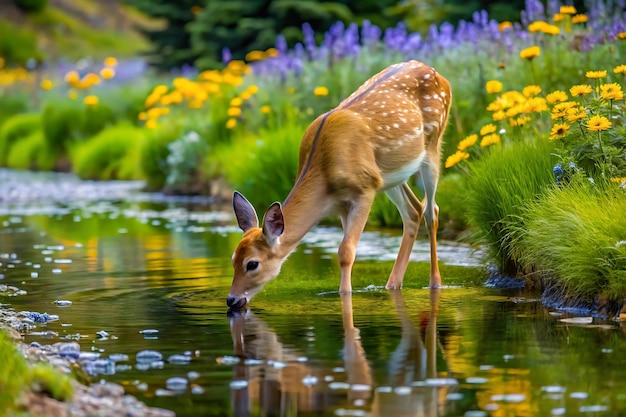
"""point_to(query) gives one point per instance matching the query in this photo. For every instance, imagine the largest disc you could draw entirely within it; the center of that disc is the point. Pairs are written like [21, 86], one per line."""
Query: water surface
[144, 273]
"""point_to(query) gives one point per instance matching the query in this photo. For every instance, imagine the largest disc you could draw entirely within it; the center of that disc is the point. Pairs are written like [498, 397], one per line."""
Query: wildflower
[72, 94]
[575, 113]
[550, 29]
[598, 123]
[580, 18]
[271, 52]
[255, 56]
[490, 140]
[535, 105]
[580, 90]
[531, 90]
[320, 91]
[142, 116]
[265, 109]
[520, 121]
[151, 124]
[620, 69]
[612, 91]
[455, 158]
[234, 111]
[89, 80]
[72, 77]
[467, 142]
[107, 73]
[236, 101]
[536, 26]
[110, 62]
[505, 25]
[488, 128]
[559, 111]
[231, 123]
[558, 17]
[253, 89]
[556, 96]
[558, 172]
[530, 52]
[91, 100]
[596, 74]
[558, 131]
[620, 36]
[245, 95]
[499, 115]
[567, 10]
[493, 86]
[46, 85]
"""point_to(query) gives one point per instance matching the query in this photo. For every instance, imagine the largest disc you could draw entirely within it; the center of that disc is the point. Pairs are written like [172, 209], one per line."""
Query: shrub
[576, 234]
[111, 154]
[153, 154]
[18, 45]
[31, 152]
[61, 122]
[499, 184]
[14, 129]
[13, 104]
[185, 154]
[31, 6]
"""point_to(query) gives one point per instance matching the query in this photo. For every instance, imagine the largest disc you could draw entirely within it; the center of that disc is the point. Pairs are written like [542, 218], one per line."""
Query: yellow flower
[504, 25]
[580, 90]
[558, 131]
[107, 73]
[536, 26]
[255, 56]
[558, 17]
[596, 74]
[560, 109]
[535, 105]
[231, 123]
[556, 96]
[234, 111]
[46, 85]
[521, 121]
[253, 89]
[151, 124]
[499, 115]
[531, 90]
[271, 52]
[493, 86]
[598, 123]
[110, 62]
[265, 109]
[467, 142]
[142, 116]
[576, 113]
[72, 94]
[455, 158]
[488, 128]
[620, 69]
[91, 100]
[245, 95]
[612, 91]
[236, 101]
[72, 77]
[490, 140]
[320, 91]
[550, 29]
[567, 10]
[580, 18]
[530, 52]
[621, 36]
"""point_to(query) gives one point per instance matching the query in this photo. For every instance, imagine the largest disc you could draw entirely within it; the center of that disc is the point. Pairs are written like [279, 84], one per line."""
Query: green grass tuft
[16, 128]
[31, 152]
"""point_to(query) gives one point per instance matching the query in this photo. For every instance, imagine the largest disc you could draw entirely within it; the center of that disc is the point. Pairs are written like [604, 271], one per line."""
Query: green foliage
[185, 155]
[61, 123]
[111, 154]
[13, 373]
[264, 167]
[576, 233]
[31, 6]
[153, 154]
[14, 129]
[17, 45]
[31, 152]
[498, 186]
[13, 103]
[45, 379]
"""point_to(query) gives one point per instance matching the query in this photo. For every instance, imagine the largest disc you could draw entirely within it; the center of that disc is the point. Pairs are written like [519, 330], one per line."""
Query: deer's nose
[235, 302]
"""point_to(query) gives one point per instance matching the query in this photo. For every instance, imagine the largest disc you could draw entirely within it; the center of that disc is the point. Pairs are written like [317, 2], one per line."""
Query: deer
[374, 141]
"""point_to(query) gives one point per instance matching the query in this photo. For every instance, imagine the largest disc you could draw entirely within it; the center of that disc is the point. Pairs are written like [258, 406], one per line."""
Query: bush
[14, 129]
[13, 104]
[262, 167]
[112, 154]
[499, 185]
[154, 152]
[31, 6]
[18, 45]
[576, 234]
[61, 123]
[31, 152]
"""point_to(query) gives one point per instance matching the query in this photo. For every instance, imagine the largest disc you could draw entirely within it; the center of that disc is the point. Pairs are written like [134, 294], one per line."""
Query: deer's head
[256, 260]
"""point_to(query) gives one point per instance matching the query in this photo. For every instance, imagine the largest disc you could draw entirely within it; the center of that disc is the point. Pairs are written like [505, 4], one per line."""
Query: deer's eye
[252, 265]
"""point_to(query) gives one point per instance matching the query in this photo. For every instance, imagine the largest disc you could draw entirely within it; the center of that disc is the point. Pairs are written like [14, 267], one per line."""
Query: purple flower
[226, 56]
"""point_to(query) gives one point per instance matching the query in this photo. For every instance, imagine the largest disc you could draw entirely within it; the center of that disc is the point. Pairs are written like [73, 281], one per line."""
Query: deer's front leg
[353, 220]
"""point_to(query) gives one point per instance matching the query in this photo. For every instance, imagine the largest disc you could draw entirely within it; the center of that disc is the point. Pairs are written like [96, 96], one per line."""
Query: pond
[140, 282]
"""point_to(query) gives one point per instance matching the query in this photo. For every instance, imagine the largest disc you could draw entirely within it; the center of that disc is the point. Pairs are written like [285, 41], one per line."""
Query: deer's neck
[303, 208]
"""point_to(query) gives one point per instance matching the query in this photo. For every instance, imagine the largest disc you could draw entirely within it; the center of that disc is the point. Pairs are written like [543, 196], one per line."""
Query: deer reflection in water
[271, 378]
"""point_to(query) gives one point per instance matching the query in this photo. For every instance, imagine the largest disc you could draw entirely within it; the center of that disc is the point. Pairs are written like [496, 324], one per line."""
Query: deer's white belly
[393, 178]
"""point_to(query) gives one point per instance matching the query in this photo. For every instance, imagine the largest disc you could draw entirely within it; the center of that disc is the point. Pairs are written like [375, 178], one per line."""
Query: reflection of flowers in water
[384, 247]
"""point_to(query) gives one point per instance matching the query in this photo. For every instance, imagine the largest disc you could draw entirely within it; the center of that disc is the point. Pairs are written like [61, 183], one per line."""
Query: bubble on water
[36, 266]
[329, 378]
[508, 357]
[88, 356]
[476, 380]
[607, 350]
[191, 375]
[239, 384]
[176, 383]
[164, 393]
[514, 398]
[402, 390]
[47, 259]
[339, 369]
[491, 407]
[142, 386]
[579, 395]
[118, 357]
[339, 385]
[47, 252]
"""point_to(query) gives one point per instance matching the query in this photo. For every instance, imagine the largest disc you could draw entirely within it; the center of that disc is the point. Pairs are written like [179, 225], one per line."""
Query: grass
[15, 129]
[576, 235]
[31, 152]
[499, 185]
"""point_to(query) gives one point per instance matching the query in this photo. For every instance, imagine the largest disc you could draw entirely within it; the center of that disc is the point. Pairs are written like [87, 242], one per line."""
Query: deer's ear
[273, 223]
[246, 216]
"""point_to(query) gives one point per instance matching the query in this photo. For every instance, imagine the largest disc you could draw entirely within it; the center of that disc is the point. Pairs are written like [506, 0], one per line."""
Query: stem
[601, 148]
